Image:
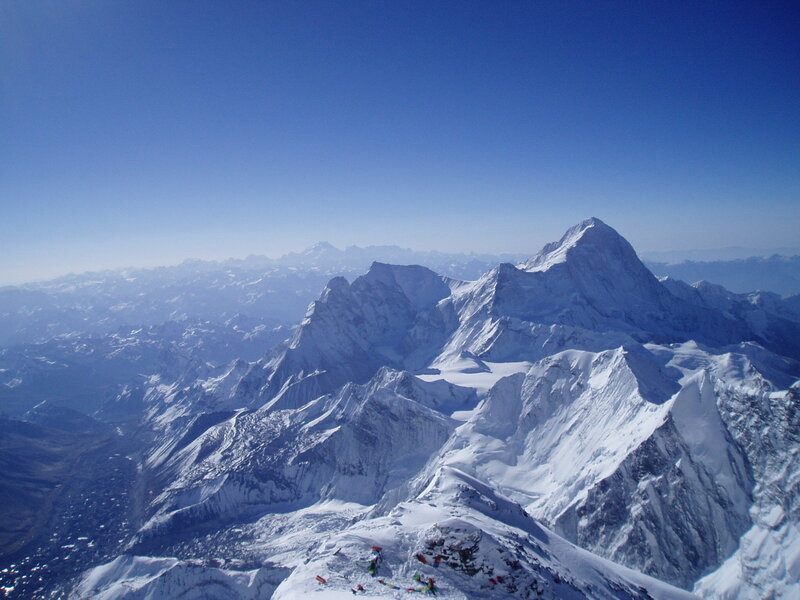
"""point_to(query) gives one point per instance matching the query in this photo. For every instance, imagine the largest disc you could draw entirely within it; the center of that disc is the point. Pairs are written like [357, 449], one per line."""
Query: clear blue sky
[140, 133]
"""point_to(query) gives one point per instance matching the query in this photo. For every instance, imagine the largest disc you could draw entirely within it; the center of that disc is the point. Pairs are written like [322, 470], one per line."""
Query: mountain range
[276, 291]
[563, 426]
[775, 273]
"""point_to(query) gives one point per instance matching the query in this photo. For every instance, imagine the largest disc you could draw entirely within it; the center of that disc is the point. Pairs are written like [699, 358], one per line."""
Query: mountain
[590, 291]
[528, 427]
[731, 253]
[610, 410]
[85, 371]
[352, 445]
[270, 292]
[487, 546]
[774, 273]
[629, 452]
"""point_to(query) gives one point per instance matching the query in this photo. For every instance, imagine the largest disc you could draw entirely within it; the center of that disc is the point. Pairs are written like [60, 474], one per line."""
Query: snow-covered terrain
[473, 543]
[528, 428]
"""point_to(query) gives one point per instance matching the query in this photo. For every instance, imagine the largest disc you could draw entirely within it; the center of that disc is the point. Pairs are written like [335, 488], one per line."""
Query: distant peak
[322, 247]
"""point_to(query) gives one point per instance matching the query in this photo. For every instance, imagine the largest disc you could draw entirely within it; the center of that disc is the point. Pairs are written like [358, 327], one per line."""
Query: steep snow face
[592, 241]
[626, 452]
[473, 543]
[676, 506]
[387, 317]
[588, 291]
[352, 445]
[598, 267]
[544, 436]
[767, 562]
[140, 577]
[506, 316]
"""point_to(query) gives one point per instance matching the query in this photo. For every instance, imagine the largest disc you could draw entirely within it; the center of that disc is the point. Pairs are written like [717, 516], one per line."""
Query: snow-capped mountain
[527, 428]
[592, 286]
[609, 408]
[255, 462]
[631, 453]
[589, 291]
[387, 317]
[266, 290]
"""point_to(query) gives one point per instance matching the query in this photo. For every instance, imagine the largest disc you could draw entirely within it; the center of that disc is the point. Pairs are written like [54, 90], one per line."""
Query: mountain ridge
[577, 400]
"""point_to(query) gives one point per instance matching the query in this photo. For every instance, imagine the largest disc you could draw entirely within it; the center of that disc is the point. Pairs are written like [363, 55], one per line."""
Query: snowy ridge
[586, 439]
[488, 547]
[388, 317]
[646, 422]
[534, 429]
[767, 562]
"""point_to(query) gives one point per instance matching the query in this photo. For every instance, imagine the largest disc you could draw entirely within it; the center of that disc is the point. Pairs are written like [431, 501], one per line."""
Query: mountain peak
[322, 248]
[592, 234]
[421, 286]
[590, 222]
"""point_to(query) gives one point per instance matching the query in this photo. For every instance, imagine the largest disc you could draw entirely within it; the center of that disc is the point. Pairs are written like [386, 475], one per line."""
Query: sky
[142, 133]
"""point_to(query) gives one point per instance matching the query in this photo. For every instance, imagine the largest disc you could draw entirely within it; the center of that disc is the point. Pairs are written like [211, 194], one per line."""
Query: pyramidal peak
[592, 234]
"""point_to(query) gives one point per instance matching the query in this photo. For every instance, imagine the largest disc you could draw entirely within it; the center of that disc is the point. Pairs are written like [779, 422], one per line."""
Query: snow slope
[488, 548]
[352, 445]
[619, 451]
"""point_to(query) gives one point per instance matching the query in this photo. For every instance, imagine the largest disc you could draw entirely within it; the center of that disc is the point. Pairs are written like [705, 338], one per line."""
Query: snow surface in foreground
[490, 548]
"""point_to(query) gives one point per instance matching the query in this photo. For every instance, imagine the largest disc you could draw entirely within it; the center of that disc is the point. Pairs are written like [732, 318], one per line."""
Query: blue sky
[142, 133]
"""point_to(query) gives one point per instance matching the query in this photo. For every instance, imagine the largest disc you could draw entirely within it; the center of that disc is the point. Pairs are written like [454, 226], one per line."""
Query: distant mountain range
[266, 291]
[276, 292]
[779, 274]
[716, 254]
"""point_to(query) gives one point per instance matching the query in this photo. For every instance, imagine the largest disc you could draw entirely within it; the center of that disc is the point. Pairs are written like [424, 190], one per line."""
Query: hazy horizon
[691, 254]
